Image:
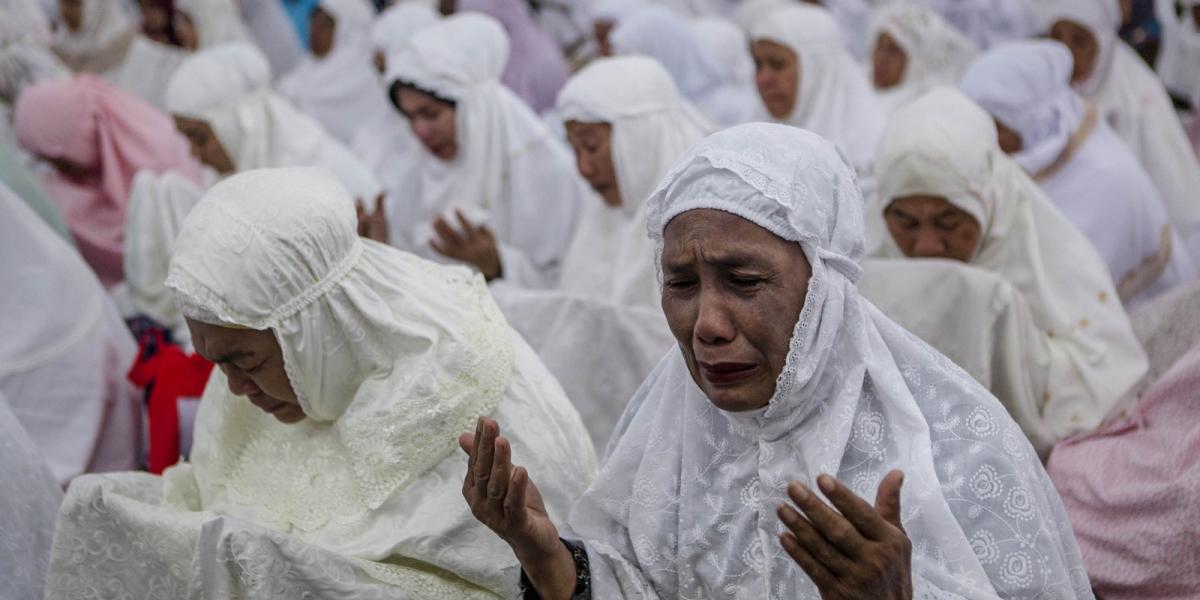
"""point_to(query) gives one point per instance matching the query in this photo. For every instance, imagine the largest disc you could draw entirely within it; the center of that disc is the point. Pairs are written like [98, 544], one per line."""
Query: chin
[289, 418]
[737, 400]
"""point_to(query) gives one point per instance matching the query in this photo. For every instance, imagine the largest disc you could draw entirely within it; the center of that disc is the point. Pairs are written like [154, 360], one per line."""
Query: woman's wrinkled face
[431, 120]
[732, 293]
[1084, 47]
[71, 13]
[185, 30]
[1010, 140]
[888, 62]
[592, 143]
[602, 30]
[252, 362]
[777, 75]
[321, 28]
[205, 145]
[932, 227]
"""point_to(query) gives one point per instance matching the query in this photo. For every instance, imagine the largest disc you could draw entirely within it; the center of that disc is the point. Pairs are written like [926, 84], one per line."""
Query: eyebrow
[730, 260]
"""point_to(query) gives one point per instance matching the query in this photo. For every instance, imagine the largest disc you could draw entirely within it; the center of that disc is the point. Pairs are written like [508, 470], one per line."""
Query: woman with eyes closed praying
[488, 185]
[323, 462]
[788, 394]
[947, 190]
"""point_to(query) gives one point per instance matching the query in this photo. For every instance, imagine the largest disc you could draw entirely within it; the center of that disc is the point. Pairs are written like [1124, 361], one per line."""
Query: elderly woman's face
[732, 293]
[888, 61]
[321, 29]
[206, 147]
[431, 120]
[1084, 47]
[592, 143]
[252, 361]
[777, 74]
[932, 227]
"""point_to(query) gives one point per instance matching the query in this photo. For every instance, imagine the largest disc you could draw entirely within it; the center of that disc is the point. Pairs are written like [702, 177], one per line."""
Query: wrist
[551, 571]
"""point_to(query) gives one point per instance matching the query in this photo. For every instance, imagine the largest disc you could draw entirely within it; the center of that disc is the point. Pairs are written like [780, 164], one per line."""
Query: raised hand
[503, 498]
[863, 552]
[474, 245]
[372, 225]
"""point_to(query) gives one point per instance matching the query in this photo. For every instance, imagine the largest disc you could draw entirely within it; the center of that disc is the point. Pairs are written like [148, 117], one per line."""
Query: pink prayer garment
[536, 69]
[1130, 490]
[103, 136]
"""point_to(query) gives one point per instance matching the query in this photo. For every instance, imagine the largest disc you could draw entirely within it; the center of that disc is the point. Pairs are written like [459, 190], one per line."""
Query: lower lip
[728, 377]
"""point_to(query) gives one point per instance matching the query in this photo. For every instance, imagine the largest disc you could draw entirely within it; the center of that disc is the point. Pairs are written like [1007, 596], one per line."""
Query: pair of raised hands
[857, 551]
[470, 243]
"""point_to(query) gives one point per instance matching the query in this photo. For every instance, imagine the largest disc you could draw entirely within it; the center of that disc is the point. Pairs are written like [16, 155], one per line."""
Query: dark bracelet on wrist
[583, 575]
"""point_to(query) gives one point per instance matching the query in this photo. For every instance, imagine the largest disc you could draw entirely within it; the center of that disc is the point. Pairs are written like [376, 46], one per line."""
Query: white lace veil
[390, 356]
[684, 506]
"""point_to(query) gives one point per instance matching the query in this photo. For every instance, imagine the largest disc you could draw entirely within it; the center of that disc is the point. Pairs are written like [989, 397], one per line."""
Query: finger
[887, 498]
[484, 455]
[466, 441]
[805, 534]
[446, 232]
[862, 516]
[500, 476]
[514, 501]
[833, 527]
[379, 202]
[815, 570]
[467, 227]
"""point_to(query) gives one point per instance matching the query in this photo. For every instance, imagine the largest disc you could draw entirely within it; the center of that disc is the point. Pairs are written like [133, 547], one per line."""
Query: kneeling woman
[786, 382]
[346, 370]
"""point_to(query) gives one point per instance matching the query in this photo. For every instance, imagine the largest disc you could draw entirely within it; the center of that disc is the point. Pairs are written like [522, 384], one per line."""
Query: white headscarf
[509, 170]
[1081, 165]
[833, 97]
[731, 47]
[385, 137]
[1132, 100]
[228, 87]
[216, 22]
[944, 145]
[685, 504]
[610, 257]
[937, 54]
[391, 358]
[660, 33]
[750, 12]
[988, 22]
[1180, 50]
[24, 58]
[341, 89]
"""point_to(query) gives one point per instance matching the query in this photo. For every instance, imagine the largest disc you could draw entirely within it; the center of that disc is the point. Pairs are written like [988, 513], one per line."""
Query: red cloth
[168, 374]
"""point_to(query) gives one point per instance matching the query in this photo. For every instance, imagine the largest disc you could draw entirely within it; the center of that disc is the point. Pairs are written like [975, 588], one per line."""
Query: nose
[714, 322]
[764, 79]
[928, 244]
[584, 164]
[239, 383]
[423, 130]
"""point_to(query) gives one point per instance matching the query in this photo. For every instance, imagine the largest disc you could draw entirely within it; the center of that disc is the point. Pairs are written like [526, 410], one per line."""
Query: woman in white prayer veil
[27, 509]
[324, 458]
[222, 101]
[665, 36]
[1081, 164]
[385, 136]
[627, 124]
[97, 37]
[946, 190]
[784, 379]
[808, 79]
[913, 50]
[488, 185]
[335, 83]
[64, 352]
[209, 23]
[1130, 97]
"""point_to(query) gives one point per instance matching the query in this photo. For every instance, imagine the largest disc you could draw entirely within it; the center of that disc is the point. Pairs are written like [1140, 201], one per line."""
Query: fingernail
[826, 483]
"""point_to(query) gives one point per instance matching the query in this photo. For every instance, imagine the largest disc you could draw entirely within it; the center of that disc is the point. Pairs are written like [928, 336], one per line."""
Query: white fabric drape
[109, 45]
[391, 358]
[936, 52]
[833, 97]
[1084, 168]
[385, 137]
[274, 34]
[509, 170]
[64, 352]
[944, 145]
[989, 22]
[25, 59]
[684, 506]
[27, 509]
[665, 36]
[229, 88]
[610, 257]
[1132, 100]
[731, 47]
[216, 22]
[340, 89]
[1180, 50]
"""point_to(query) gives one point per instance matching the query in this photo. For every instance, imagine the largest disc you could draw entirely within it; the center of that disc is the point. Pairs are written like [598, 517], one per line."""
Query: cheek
[681, 318]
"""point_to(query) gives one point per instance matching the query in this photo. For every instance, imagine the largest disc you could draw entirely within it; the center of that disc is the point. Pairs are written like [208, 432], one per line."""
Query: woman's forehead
[718, 232]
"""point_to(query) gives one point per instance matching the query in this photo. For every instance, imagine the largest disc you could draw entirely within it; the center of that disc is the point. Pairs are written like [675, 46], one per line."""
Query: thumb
[466, 441]
[887, 498]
